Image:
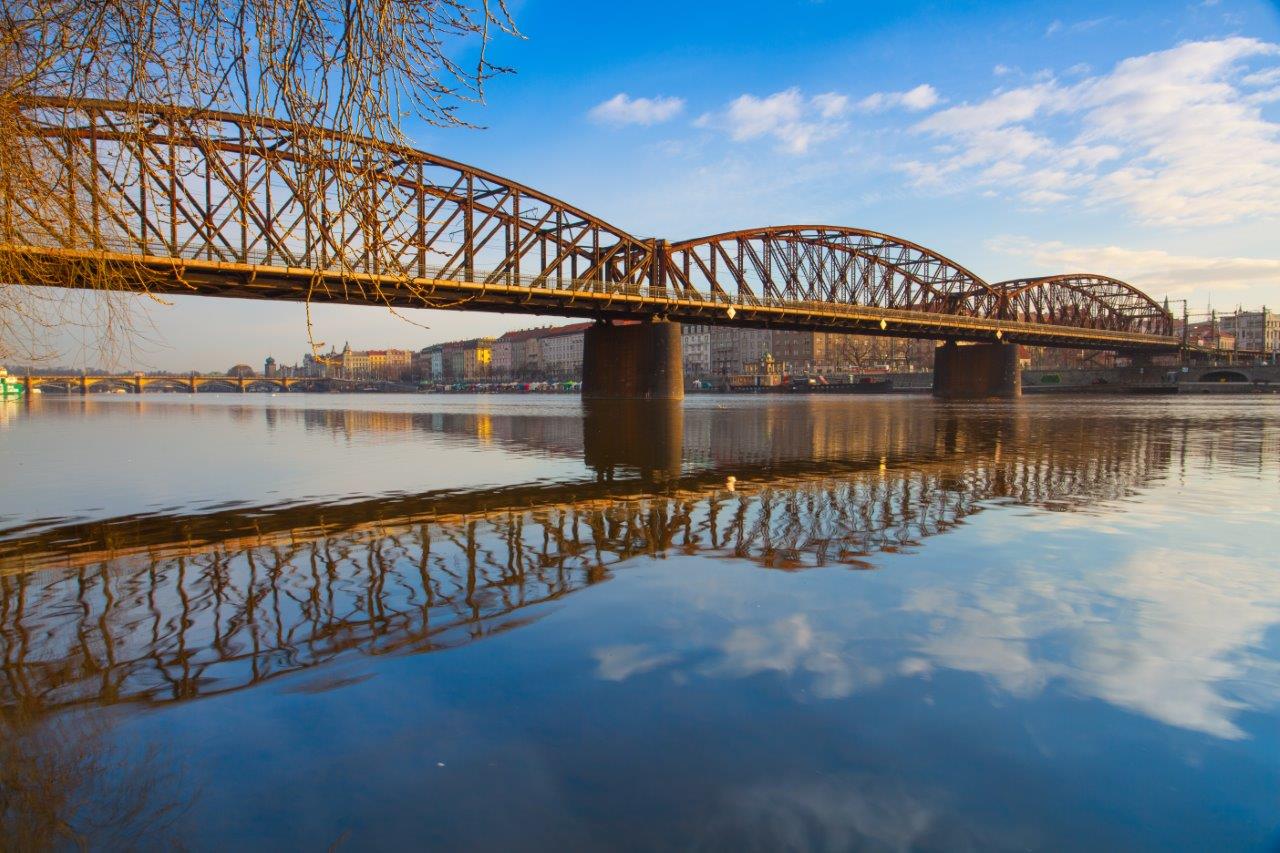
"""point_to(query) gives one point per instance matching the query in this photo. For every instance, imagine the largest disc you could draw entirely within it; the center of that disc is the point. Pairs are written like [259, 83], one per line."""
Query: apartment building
[695, 348]
[1252, 330]
[561, 350]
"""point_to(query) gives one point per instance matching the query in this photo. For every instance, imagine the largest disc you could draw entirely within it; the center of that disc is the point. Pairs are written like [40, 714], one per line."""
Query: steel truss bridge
[188, 201]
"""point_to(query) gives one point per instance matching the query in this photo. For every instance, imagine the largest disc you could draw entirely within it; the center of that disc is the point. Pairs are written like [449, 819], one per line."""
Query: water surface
[514, 622]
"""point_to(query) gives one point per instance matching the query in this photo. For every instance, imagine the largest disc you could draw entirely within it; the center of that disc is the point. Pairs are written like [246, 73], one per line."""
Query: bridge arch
[311, 383]
[112, 383]
[827, 263]
[1223, 376]
[204, 185]
[166, 383]
[216, 384]
[259, 383]
[61, 384]
[1083, 300]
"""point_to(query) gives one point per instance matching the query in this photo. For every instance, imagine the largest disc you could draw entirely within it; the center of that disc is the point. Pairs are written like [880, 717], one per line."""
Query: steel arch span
[189, 201]
[827, 263]
[1084, 300]
[218, 187]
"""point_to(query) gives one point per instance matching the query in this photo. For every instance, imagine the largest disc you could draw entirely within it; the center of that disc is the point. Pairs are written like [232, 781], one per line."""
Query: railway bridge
[176, 200]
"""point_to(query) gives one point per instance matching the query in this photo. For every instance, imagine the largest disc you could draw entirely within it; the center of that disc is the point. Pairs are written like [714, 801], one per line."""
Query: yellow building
[391, 364]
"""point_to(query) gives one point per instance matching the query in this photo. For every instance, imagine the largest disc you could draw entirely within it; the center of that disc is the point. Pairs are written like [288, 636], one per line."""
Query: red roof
[523, 335]
[545, 332]
[571, 329]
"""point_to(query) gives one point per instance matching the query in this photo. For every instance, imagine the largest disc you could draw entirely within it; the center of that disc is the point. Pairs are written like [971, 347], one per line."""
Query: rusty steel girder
[825, 263]
[222, 204]
[1085, 301]
[215, 186]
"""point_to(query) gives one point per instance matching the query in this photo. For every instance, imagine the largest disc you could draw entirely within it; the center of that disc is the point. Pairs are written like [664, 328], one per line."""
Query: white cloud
[1155, 271]
[1262, 78]
[922, 97]
[792, 646]
[1078, 27]
[835, 813]
[796, 122]
[618, 663]
[831, 105]
[1175, 136]
[622, 109]
[1180, 640]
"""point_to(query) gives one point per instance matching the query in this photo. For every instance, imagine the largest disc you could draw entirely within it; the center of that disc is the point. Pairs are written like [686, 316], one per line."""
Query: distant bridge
[187, 201]
[139, 383]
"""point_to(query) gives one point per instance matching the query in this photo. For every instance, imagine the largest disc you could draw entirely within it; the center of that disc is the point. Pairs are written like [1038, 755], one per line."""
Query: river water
[303, 622]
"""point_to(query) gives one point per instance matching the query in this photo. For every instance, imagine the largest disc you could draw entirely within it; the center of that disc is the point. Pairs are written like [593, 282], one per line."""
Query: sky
[1139, 140]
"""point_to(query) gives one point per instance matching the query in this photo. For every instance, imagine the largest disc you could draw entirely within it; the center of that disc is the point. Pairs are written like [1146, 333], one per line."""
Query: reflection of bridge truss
[219, 204]
[161, 609]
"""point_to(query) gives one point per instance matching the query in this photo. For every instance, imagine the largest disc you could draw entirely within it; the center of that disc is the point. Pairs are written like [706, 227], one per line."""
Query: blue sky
[1140, 140]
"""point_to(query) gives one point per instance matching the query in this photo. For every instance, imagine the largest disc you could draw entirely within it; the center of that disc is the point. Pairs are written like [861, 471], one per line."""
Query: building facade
[1258, 331]
[733, 348]
[388, 364]
[561, 351]
[522, 358]
[321, 365]
[695, 349]
[799, 352]
[503, 349]
[469, 361]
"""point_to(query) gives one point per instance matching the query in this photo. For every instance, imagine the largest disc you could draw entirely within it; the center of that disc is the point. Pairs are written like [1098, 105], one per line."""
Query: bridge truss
[190, 201]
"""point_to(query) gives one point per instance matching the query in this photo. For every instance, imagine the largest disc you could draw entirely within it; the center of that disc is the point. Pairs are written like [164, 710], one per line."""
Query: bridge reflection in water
[163, 608]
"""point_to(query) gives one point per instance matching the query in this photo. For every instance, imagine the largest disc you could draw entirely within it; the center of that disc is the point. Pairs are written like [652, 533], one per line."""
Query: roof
[544, 332]
[571, 329]
[523, 335]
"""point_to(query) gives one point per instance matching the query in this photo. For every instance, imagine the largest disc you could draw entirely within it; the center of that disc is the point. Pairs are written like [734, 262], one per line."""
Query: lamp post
[1186, 328]
[1266, 338]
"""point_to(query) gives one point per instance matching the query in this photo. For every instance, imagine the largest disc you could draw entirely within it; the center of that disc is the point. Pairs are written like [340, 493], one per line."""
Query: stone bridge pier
[633, 361]
[976, 371]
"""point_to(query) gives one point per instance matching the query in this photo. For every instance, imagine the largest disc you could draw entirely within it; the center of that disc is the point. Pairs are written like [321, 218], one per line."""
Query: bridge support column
[1137, 359]
[976, 371]
[84, 385]
[640, 361]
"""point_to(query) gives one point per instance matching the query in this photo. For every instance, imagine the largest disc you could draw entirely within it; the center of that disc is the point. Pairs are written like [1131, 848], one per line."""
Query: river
[512, 622]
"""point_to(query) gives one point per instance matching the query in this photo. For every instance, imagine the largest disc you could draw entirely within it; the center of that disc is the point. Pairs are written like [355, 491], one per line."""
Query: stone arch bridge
[191, 383]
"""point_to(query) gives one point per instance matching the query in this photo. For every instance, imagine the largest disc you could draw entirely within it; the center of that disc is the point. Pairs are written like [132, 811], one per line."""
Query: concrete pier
[976, 371]
[638, 361]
